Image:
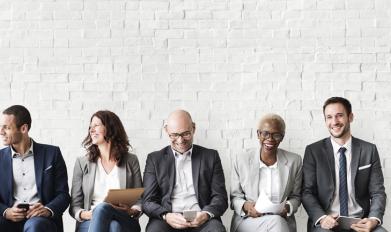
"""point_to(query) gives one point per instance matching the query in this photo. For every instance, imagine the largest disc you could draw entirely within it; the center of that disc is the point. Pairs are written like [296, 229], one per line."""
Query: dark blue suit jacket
[50, 176]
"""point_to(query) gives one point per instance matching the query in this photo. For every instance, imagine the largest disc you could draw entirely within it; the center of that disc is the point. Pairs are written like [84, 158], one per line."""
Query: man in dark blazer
[183, 177]
[342, 176]
[34, 184]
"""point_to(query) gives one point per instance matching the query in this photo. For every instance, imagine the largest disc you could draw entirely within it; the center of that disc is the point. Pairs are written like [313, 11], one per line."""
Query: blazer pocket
[364, 167]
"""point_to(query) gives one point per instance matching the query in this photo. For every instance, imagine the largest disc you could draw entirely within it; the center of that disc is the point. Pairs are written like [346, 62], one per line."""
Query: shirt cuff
[77, 215]
[380, 222]
[51, 211]
[136, 207]
[318, 221]
[211, 215]
[290, 209]
[242, 213]
[5, 212]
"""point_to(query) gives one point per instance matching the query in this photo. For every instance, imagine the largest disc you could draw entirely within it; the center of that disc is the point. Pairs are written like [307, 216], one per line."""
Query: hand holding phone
[189, 215]
[24, 206]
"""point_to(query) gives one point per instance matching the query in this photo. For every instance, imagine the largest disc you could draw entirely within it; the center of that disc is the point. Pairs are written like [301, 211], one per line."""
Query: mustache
[338, 124]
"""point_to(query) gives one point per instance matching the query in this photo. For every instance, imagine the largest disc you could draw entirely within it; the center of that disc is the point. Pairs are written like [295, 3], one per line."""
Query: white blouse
[103, 182]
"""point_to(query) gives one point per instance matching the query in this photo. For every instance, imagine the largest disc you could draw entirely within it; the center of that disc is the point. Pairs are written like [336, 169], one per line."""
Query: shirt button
[25, 188]
[22, 160]
[23, 174]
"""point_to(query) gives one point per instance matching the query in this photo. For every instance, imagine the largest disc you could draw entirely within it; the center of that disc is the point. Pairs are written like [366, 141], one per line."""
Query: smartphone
[24, 206]
[189, 215]
[346, 222]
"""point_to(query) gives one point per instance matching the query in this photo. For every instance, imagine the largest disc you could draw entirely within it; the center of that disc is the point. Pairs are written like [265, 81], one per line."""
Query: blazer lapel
[195, 167]
[283, 168]
[169, 163]
[8, 172]
[253, 177]
[329, 153]
[91, 168]
[39, 161]
[122, 176]
[356, 153]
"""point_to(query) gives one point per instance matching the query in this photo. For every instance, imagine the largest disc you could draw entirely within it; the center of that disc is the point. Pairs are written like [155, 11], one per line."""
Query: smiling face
[97, 131]
[9, 132]
[338, 121]
[270, 135]
[180, 130]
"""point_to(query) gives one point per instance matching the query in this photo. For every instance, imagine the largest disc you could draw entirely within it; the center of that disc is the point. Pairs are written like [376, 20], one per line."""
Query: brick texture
[228, 62]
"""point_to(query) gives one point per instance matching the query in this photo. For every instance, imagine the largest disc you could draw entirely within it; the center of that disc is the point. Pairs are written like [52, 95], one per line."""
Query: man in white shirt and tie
[342, 176]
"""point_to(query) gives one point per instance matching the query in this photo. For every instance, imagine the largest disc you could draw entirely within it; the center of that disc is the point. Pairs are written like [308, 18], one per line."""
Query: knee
[102, 207]
[156, 225]
[214, 225]
[279, 222]
[115, 226]
[39, 224]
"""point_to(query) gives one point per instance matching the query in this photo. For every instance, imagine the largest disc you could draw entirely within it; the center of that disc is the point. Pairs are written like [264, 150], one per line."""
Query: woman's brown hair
[115, 133]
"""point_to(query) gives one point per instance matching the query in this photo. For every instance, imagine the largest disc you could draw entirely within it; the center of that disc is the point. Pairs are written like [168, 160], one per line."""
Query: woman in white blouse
[270, 174]
[107, 165]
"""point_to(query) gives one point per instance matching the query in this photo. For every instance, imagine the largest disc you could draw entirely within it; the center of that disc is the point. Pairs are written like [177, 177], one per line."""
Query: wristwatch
[164, 216]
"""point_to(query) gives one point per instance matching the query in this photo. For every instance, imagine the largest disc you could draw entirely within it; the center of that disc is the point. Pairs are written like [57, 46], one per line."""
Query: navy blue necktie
[343, 185]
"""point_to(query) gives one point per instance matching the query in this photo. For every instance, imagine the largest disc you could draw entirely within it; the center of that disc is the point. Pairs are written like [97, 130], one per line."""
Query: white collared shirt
[269, 181]
[183, 196]
[353, 207]
[25, 186]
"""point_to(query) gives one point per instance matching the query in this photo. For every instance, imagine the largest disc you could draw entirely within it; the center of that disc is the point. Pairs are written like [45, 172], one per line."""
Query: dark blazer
[208, 180]
[319, 179]
[50, 176]
[84, 179]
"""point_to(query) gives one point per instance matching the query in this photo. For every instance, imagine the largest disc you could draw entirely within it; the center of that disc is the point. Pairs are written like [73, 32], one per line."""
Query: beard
[341, 134]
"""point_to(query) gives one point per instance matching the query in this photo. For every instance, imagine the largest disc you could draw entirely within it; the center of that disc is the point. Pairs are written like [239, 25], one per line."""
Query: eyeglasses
[184, 135]
[266, 135]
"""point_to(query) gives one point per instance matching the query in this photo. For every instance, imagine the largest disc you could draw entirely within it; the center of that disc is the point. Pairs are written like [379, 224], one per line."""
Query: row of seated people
[340, 176]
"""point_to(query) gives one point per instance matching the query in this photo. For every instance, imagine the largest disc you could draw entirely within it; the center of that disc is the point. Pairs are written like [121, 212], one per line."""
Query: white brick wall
[226, 61]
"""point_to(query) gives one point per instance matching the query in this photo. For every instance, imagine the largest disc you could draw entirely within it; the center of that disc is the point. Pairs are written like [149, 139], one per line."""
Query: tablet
[344, 223]
[123, 196]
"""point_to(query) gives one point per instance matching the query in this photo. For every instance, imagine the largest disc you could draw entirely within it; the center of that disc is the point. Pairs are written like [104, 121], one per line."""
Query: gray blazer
[319, 179]
[245, 182]
[84, 178]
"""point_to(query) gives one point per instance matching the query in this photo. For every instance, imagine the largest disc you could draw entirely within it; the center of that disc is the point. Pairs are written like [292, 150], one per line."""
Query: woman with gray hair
[269, 172]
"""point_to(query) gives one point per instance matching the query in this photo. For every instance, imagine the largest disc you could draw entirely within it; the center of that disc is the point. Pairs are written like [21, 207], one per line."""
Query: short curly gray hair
[275, 118]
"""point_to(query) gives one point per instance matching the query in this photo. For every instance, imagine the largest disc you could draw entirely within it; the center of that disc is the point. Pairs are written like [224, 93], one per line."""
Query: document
[123, 196]
[264, 205]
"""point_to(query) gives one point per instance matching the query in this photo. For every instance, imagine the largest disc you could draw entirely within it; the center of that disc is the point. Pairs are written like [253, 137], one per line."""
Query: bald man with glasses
[184, 177]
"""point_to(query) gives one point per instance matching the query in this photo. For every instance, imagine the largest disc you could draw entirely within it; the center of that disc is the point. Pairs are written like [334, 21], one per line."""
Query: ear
[351, 116]
[194, 127]
[24, 129]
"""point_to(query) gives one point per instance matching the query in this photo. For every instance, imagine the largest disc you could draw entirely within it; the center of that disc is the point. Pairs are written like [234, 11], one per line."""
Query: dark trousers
[377, 229]
[158, 225]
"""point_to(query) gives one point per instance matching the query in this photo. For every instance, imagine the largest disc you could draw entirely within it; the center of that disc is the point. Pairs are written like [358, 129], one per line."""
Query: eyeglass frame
[270, 135]
[183, 135]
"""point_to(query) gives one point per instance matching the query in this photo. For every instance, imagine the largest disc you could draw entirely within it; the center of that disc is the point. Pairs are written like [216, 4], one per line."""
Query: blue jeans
[33, 224]
[106, 218]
